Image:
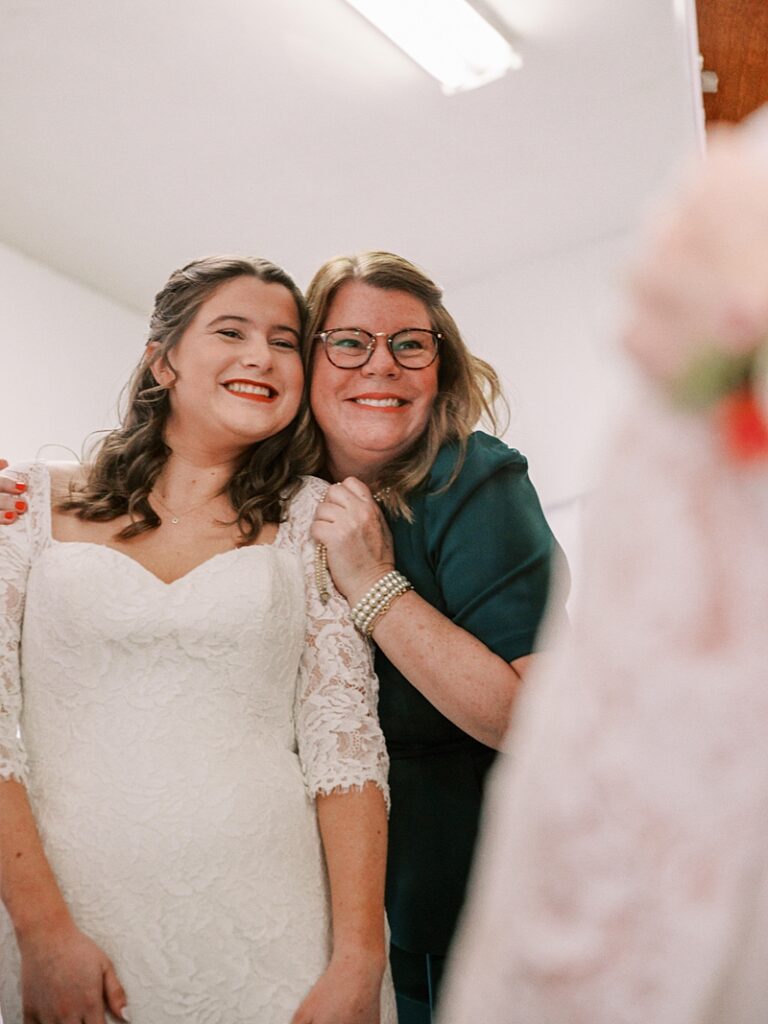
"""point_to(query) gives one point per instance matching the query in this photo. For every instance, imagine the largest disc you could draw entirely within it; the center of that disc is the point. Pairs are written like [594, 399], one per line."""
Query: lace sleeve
[623, 873]
[15, 556]
[340, 742]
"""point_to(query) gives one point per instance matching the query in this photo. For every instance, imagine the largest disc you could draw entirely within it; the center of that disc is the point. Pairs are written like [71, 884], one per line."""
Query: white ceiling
[137, 135]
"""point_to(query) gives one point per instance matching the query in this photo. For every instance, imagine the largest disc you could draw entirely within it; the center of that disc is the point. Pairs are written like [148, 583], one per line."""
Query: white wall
[66, 353]
[550, 324]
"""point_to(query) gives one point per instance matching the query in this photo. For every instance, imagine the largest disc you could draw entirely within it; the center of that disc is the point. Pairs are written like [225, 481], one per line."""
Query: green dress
[481, 553]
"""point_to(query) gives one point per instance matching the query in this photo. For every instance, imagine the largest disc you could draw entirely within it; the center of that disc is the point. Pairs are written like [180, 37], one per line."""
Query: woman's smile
[381, 402]
[251, 390]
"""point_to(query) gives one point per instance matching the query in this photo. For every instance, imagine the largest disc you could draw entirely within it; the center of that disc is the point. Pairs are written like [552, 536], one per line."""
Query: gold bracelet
[321, 572]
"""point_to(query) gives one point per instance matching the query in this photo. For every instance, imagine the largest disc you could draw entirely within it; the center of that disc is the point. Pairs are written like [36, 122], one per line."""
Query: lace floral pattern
[340, 741]
[170, 729]
[624, 874]
[18, 543]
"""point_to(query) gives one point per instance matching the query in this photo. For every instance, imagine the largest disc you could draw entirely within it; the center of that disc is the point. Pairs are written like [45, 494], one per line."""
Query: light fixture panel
[447, 38]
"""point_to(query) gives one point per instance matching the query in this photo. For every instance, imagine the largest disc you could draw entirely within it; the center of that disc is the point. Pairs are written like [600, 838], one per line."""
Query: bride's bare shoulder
[65, 475]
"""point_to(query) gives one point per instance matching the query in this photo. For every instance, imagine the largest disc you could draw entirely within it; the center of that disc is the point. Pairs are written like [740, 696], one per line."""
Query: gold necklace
[176, 516]
[322, 576]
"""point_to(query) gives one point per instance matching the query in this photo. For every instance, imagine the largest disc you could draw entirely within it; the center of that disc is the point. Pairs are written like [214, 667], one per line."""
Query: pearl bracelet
[378, 600]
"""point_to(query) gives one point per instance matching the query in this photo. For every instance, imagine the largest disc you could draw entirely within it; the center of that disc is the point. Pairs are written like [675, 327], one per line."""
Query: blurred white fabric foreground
[623, 876]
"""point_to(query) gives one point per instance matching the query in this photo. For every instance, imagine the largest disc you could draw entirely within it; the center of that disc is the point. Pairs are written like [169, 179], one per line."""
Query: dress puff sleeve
[16, 547]
[340, 742]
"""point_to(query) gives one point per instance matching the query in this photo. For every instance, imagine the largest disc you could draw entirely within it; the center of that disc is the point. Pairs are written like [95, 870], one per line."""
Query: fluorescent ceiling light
[448, 38]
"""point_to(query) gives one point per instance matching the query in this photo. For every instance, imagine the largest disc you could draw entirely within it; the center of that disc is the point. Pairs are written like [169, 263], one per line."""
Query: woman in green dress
[396, 395]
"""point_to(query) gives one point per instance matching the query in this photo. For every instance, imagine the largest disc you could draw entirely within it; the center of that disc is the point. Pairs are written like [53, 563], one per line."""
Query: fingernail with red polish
[21, 505]
[21, 488]
[9, 515]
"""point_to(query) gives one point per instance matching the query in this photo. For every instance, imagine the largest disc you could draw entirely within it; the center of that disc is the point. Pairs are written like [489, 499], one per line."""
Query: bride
[194, 779]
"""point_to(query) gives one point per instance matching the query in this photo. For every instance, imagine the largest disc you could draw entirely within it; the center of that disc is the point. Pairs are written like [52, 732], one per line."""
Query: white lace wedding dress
[174, 735]
[623, 872]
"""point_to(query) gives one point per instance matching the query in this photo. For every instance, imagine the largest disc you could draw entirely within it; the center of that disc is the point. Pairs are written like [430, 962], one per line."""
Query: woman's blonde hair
[468, 387]
[129, 459]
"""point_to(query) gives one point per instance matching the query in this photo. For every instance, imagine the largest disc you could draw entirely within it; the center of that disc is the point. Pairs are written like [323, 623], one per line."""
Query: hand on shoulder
[358, 541]
[12, 499]
[13, 494]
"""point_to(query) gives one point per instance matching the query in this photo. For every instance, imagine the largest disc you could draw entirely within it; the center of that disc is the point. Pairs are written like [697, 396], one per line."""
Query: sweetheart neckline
[153, 575]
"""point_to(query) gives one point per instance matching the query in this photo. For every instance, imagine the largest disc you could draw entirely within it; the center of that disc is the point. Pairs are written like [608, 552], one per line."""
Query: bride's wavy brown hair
[128, 460]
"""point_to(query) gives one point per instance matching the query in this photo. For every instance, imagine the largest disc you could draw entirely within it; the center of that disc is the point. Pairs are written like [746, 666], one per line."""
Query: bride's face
[238, 368]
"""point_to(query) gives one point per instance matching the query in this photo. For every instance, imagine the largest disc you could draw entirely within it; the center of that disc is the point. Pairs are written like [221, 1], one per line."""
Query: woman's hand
[353, 529]
[349, 992]
[65, 978]
[12, 501]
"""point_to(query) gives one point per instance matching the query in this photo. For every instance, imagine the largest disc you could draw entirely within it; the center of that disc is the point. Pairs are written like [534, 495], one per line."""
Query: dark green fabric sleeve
[490, 546]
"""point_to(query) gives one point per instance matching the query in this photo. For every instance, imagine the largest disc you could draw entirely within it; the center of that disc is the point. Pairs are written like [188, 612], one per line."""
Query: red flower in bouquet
[743, 426]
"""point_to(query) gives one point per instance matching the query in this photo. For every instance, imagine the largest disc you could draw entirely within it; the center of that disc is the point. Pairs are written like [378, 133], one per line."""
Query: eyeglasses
[413, 348]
